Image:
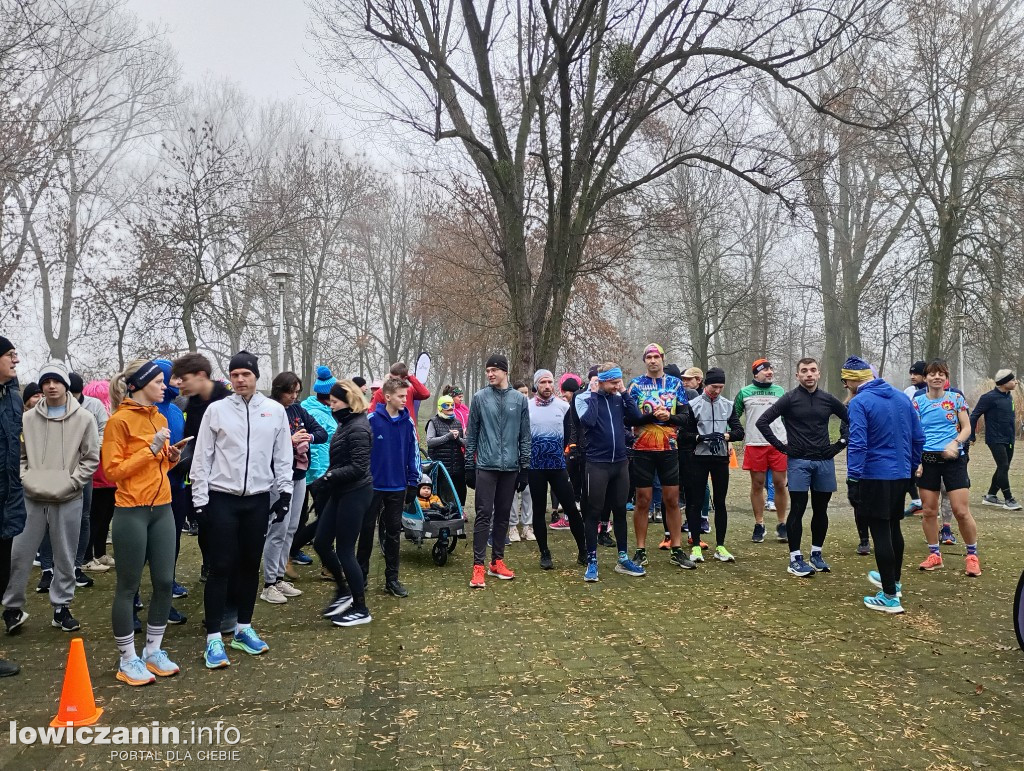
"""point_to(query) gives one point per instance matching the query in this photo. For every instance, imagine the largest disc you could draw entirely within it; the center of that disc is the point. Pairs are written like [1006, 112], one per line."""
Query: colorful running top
[754, 399]
[666, 391]
[547, 420]
[938, 419]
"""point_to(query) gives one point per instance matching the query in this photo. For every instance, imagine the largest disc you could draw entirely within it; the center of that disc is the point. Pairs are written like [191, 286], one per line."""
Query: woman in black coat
[350, 489]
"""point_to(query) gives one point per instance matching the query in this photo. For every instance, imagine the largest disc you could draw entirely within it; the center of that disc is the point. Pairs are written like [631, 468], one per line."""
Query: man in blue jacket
[886, 442]
[996, 407]
[12, 496]
[395, 468]
[604, 412]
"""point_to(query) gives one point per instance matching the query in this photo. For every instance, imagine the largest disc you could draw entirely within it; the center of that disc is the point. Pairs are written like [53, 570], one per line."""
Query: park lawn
[730, 666]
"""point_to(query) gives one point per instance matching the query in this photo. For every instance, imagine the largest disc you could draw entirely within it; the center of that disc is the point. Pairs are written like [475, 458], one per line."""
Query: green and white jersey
[754, 399]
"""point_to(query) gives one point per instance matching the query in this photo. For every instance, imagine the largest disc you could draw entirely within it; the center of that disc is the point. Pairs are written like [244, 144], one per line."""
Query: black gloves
[835, 449]
[522, 480]
[470, 478]
[410, 495]
[715, 442]
[199, 515]
[853, 492]
[280, 508]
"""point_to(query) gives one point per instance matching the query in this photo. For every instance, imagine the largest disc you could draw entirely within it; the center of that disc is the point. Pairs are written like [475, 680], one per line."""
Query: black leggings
[888, 540]
[100, 514]
[718, 470]
[235, 529]
[342, 521]
[387, 506]
[819, 517]
[558, 478]
[607, 487]
[181, 505]
[1002, 454]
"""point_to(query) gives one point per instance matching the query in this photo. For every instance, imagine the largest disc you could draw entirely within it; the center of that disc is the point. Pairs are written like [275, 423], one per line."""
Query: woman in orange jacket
[136, 457]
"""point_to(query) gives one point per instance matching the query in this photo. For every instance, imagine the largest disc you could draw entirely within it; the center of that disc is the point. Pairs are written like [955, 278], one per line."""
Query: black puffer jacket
[443, 447]
[349, 465]
[12, 496]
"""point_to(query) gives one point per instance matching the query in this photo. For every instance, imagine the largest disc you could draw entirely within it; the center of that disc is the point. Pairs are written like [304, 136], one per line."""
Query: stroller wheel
[452, 544]
[440, 553]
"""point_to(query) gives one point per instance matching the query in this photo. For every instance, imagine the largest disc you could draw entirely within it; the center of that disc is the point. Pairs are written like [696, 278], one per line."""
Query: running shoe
[273, 595]
[627, 567]
[301, 558]
[95, 566]
[780, 532]
[14, 618]
[864, 548]
[679, 559]
[603, 539]
[508, 541]
[499, 569]
[884, 604]
[562, 523]
[326, 575]
[395, 588]
[934, 562]
[339, 604]
[160, 664]
[215, 656]
[915, 507]
[247, 640]
[722, 555]
[705, 525]
[703, 543]
[629, 506]
[819, 564]
[875, 579]
[134, 672]
[477, 581]
[82, 581]
[353, 617]
[973, 567]
[528, 533]
[758, 536]
[513, 535]
[696, 555]
[63, 620]
[106, 559]
[640, 557]
[666, 544]
[770, 506]
[35, 561]
[590, 575]
[992, 500]
[545, 560]
[137, 602]
[946, 537]
[178, 591]
[1012, 505]
[175, 617]
[287, 589]
[800, 568]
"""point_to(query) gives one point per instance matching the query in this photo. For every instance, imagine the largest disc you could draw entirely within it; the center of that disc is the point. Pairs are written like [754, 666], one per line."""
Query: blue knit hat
[324, 380]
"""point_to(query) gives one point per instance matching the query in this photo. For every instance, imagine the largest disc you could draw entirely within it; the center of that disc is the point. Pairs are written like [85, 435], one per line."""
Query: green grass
[731, 666]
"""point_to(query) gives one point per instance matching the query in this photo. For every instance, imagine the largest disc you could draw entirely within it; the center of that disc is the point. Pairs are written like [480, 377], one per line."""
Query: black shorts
[882, 498]
[646, 464]
[952, 473]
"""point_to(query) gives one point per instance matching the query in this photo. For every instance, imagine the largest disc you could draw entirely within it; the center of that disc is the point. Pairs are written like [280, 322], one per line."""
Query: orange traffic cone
[77, 706]
[733, 463]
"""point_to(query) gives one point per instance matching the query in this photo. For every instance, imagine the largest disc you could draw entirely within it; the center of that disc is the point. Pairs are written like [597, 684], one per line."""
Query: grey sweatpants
[139, 534]
[279, 536]
[65, 523]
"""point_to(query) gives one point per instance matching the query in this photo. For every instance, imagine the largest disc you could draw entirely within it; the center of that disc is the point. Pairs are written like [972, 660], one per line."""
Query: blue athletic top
[547, 433]
[939, 418]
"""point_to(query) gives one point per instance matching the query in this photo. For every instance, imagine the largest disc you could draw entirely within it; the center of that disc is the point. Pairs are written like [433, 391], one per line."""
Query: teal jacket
[498, 437]
[319, 454]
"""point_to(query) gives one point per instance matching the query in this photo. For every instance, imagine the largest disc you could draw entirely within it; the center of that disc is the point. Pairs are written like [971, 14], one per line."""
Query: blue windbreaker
[886, 439]
[604, 418]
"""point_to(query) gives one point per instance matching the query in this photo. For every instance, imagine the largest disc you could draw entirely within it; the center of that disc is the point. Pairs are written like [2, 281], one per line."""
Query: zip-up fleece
[712, 417]
[498, 437]
[603, 418]
[140, 476]
[395, 454]
[59, 455]
[242, 449]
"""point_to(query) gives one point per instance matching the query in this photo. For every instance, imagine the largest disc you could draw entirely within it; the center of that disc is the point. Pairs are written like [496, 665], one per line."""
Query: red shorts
[763, 457]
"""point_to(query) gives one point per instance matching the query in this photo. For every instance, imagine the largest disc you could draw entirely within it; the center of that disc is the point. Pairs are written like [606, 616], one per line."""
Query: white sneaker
[513, 534]
[107, 560]
[273, 595]
[528, 533]
[95, 566]
[287, 589]
[769, 506]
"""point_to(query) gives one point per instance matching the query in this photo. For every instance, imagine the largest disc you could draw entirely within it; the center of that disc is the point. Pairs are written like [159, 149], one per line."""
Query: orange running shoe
[703, 543]
[477, 581]
[934, 562]
[498, 569]
[666, 544]
[973, 568]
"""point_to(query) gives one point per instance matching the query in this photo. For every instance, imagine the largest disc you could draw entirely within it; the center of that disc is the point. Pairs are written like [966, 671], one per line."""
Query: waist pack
[935, 457]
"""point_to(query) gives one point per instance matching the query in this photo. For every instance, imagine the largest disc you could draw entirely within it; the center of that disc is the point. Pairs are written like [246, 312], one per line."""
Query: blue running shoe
[591, 573]
[301, 558]
[629, 506]
[758, 536]
[134, 672]
[247, 640]
[176, 617]
[160, 664]
[705, 525]
[216, 657]
[178, 591]
[946, 537]
[800, 568]
[875, 578]
[818, 563]
[883, 603]
[626, 566]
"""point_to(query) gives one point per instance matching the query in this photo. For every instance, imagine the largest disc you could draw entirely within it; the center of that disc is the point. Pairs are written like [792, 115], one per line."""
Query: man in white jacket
[243, 451]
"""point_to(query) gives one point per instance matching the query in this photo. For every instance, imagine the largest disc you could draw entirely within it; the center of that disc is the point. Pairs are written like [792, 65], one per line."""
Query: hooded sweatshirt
[319, 453]
[395, 454]
[886, 439]
[172, 414]
[60, 454]
[128, 461]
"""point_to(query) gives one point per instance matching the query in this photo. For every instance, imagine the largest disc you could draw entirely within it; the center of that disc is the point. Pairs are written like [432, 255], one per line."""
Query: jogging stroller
[1018, 612]
[444, 523]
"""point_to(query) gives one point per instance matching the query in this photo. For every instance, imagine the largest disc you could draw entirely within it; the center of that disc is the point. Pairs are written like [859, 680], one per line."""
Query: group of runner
[181, 450]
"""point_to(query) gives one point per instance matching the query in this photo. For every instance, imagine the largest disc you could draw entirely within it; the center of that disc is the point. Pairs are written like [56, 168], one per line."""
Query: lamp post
[961, 325]
[281, 277]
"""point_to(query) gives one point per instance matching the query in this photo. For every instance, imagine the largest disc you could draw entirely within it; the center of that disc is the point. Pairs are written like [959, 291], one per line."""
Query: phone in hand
[181, 445]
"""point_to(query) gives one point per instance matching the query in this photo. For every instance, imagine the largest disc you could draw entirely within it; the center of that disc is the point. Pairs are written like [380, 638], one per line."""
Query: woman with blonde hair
[136, 457]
